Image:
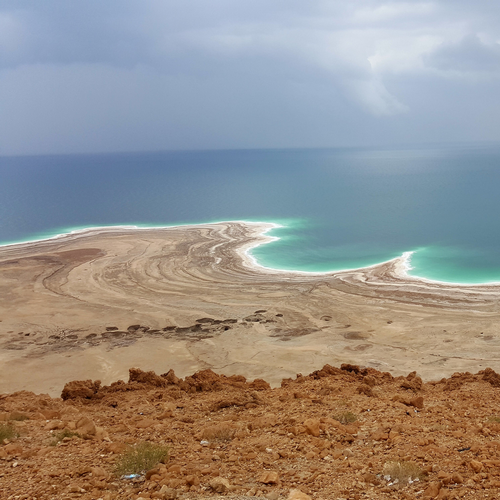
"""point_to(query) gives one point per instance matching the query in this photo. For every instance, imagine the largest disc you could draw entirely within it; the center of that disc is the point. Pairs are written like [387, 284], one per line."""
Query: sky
[91, 76]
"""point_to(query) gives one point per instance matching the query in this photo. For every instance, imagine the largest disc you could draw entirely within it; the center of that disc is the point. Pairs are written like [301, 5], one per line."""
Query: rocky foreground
[338, 433]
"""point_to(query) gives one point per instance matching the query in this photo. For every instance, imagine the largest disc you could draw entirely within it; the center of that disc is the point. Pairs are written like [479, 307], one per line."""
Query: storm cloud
[127, 75]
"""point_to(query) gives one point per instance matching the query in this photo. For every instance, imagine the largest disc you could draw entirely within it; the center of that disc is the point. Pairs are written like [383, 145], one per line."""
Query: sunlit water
[340, 209]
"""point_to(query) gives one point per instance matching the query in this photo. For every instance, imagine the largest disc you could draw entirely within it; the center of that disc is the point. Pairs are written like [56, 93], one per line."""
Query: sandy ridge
[61, 295]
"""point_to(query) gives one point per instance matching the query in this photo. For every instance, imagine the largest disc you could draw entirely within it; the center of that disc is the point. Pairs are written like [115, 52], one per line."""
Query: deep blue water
[342, 208]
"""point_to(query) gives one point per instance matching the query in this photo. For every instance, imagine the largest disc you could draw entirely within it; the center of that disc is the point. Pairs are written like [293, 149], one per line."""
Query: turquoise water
[340, 209]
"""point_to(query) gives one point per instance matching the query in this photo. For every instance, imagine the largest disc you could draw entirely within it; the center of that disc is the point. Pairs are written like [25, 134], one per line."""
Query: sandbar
[91, 304]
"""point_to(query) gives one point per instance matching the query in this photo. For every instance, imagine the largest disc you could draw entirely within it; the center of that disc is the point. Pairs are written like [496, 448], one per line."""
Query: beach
[93, 303]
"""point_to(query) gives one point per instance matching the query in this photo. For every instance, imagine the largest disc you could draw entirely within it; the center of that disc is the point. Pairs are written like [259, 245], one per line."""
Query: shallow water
[340, 209]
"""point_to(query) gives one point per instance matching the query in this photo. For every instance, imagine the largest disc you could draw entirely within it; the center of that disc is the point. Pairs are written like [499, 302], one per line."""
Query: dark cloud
[160, 74]
[469, 55]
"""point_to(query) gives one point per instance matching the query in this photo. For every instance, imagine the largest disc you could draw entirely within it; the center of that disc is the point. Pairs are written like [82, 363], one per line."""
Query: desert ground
[92, 304]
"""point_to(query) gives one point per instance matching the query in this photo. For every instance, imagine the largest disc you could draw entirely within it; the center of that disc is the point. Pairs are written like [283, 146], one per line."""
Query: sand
[68, 305]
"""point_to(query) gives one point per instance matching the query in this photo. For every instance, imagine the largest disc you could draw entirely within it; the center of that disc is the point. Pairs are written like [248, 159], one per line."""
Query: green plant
[402, 472]
[494, 419]
[7, 431]
[346, 417]
[141, 458]
[59, 436]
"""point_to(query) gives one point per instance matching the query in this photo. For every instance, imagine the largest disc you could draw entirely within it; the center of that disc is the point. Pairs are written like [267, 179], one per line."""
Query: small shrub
[18, 417]
[219, 432]
[494, 419]
[59, 436]
[346, 417]
[141, 458]
[402, 472]
[7, 431]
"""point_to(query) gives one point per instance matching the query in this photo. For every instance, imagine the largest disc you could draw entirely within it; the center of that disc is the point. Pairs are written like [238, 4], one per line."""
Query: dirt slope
[330, 435]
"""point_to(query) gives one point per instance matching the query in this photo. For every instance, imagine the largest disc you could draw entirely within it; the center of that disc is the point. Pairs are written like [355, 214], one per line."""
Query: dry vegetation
[7, 431]
[141, 458]
[402, 473]
[221, 432]
[346, 417]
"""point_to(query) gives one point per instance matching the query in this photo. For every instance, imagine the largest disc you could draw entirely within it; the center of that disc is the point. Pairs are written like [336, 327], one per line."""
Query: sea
[337, 208]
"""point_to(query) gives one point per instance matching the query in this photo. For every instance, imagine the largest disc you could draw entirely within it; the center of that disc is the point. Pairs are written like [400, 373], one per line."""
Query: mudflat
[90, 305]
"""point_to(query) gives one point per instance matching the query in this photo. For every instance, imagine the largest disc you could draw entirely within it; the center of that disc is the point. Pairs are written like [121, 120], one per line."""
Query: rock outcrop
[348, 432]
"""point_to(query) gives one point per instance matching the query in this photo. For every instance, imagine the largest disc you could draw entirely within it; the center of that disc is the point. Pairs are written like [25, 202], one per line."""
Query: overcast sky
[121, 75]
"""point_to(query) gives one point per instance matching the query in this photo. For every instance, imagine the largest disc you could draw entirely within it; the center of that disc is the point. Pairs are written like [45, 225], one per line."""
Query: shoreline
[96, 301]
[402, 263]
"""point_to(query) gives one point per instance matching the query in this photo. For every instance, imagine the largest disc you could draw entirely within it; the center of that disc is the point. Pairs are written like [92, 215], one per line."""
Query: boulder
[366, 390]
[168, 493]
[298, 495]
[312, 426]
[220, 485]
[85, 427]
[269, 477]
[432, 491]
[85, 389]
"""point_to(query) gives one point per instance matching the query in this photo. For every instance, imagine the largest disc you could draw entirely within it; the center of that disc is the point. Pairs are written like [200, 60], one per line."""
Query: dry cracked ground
[339, 433]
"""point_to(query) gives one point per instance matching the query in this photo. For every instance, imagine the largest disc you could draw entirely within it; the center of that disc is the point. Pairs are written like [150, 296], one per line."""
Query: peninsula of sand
[91, 304]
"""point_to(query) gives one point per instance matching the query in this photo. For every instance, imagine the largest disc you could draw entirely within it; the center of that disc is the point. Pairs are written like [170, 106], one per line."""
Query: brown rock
[19, 416]
[444, 494]
[476, 466]
[444, 477]
[269, 420]
[85, 427]
[351, 429]
[13, 449]
[99, 472]
[457, 478]
[365, 389]
[398, 398]
[151, 472]
[74, 488]
[298, 495]
[146, 378]
[380, 436]
[145, 423]
[370, 381]
[269, 477]
[371, 479]
[44, 451]
[432, 491]
[85, 389]
[168, 493]
[170, 377]
[491, 376]
[101, 434]
[116, 447]
[166, 414]
[203, 381]
[175, 469]
[192, 480]
[220, 485]
[417, 402]
[274, 495]
[412, 381]
[260, 385]
[312, 427]
[51, 414]
[53, 425]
